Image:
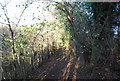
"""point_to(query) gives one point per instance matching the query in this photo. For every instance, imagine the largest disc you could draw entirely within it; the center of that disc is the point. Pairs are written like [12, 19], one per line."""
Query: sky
[30, 16]
[36, 10]
[27, 18]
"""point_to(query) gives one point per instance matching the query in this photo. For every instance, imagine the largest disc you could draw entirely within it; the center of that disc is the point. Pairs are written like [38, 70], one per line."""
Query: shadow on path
[57, 67]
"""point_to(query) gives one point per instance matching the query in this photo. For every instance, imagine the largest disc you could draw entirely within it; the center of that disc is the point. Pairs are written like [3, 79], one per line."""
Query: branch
[5, 4]
[10, 27]
[26, 6]
[4, 23]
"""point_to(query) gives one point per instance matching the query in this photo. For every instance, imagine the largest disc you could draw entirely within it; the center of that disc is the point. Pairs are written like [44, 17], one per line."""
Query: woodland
[75, 40]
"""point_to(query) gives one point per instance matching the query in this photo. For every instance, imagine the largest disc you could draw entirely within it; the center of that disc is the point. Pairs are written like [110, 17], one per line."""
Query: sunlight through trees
[59, 40]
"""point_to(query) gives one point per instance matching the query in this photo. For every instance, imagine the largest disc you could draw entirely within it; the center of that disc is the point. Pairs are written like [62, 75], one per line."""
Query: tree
[103, 16]
[9, 21]
[90, 26]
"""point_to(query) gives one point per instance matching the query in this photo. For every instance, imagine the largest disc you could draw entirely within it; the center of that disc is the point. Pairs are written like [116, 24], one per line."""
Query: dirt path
[64, 67]
[57, 67]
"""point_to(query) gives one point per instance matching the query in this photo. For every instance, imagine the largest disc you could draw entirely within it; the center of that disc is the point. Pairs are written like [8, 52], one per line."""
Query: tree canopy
[86, 33]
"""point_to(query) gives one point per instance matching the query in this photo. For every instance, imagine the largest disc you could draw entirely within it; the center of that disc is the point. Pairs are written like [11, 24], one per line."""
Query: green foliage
[95, 34]
[6, 43]
[63, 38]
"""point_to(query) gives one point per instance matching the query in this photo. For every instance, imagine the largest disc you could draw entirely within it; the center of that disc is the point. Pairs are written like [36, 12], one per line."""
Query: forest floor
[59, 66]
[54, 68]
[62, 66]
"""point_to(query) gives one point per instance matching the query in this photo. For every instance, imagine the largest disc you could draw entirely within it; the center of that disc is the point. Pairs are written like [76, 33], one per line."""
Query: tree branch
[26, 6]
